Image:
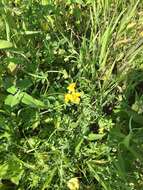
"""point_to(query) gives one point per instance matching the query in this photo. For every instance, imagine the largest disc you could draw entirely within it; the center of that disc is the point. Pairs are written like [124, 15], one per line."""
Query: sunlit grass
[71, 91]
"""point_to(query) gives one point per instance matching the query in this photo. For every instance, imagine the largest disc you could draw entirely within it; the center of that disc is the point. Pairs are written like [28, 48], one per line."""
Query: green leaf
[5, 44]
[44, 2]
[30, 32]
[12, 90]
[29, 100]
[7, 187]
[65, 74]
[92, 136]
[75, 1]
[12, 171]
[138, 118]
[49, 179]
[3, 170]
[97, 177]
[13, 100]
[24, 83]
[127, 139]
[16, 178]
[78, 146]
[12, 67]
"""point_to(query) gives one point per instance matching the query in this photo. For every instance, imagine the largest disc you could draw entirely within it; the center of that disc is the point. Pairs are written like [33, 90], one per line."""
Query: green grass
[44, 46]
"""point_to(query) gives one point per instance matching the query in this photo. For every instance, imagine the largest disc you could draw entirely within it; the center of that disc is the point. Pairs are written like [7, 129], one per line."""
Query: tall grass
[44, 47]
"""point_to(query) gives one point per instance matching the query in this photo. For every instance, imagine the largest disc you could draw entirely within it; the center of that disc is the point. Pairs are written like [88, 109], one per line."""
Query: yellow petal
[73, 183]
[77, 101]
[71, 87]
[75, 98]
[77, 94]
[68, 98]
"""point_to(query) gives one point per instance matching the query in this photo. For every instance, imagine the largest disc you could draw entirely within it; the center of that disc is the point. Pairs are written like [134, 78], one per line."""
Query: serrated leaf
[5, 44]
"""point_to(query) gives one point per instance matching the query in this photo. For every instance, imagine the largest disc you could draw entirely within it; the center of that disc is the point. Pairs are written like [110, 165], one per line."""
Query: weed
[86, 135]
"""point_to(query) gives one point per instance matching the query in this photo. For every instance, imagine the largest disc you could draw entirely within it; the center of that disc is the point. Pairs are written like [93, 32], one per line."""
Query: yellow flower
[67, 98]
[73, 183]
[75, 97]
[72, 96]
[71, 87]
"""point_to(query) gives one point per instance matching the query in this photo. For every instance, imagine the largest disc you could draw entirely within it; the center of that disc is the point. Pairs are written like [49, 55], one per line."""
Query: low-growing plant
[71, 91]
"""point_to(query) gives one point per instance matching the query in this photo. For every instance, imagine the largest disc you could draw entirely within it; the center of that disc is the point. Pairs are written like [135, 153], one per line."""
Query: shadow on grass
[127, 136]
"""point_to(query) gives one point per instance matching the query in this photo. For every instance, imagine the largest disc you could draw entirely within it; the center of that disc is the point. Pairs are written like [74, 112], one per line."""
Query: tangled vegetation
[71, 94]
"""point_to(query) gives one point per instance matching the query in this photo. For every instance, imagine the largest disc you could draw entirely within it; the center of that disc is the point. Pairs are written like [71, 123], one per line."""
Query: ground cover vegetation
[71, 94]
